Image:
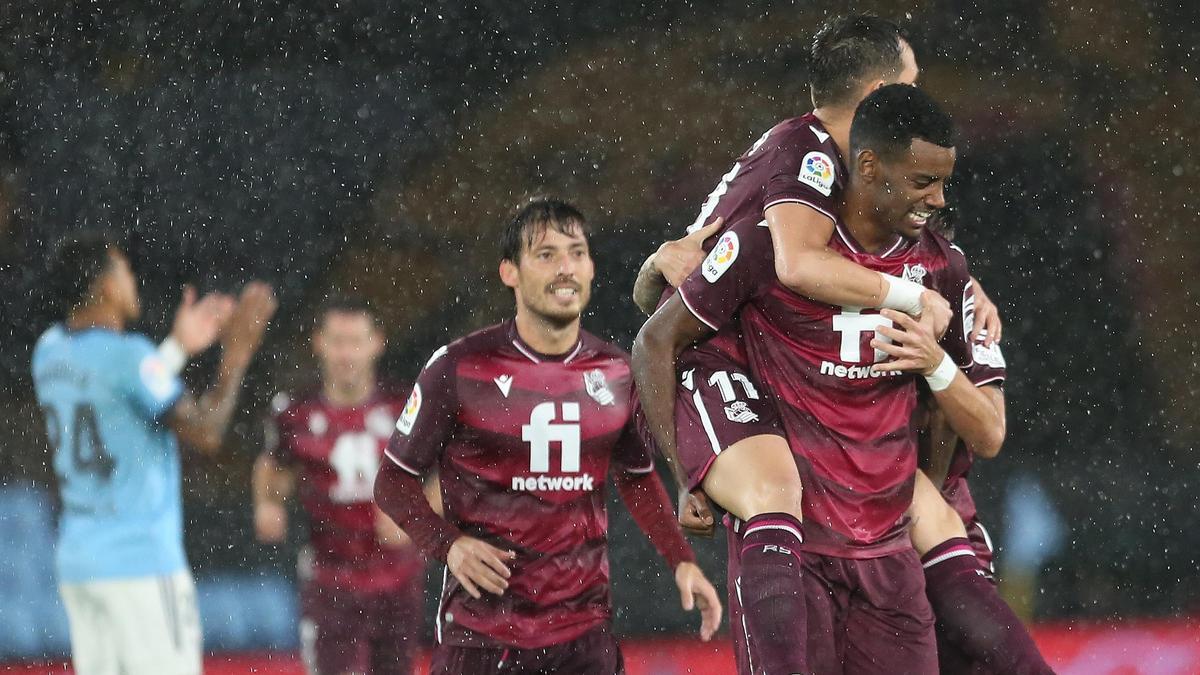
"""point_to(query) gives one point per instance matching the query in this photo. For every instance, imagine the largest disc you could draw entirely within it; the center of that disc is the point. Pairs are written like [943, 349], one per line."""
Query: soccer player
[361, 577]
[114, 405]
[846, 414]
[524, 419]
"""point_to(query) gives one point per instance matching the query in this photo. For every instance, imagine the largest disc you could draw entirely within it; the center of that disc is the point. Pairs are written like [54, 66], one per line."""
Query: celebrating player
[846, 421]
[361, 596]
[114, 404]
[523, 419]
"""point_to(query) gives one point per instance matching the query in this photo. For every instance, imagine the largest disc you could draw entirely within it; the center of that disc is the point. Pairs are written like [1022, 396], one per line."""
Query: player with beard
[361, 599]
[847, 422]
[523, 420]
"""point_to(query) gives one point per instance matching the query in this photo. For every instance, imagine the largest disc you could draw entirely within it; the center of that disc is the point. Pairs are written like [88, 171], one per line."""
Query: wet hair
[848, 50]
[532, 218]
[344, 303]
[78, 261]
[888, 121]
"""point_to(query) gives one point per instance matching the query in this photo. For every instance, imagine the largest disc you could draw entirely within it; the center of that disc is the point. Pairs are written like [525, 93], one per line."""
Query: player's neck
[860, 221]
[836, 121]
[546, 337]
[98, 315]
[349, 394]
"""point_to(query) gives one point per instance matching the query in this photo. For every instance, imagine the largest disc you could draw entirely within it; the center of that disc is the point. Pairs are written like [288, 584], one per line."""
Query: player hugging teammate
[777, 391]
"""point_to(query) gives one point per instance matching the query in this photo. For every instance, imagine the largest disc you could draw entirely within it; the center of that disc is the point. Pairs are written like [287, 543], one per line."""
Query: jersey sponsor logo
[504, 383]
[915, 273]
[597, 387]
[739, 411]
[817, 172]
[543, 430]
[721, 258]
[409, 417]
[852, 372]
[851, 324]
[355, 458]
[155, 377]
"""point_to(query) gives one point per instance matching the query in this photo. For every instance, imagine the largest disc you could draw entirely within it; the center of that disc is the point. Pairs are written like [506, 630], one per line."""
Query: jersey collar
[538, 357]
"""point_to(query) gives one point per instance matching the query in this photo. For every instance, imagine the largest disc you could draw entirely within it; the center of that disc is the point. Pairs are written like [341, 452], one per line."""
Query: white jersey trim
[948, 555]
[706, 322]
[794, 200]
[402, 465]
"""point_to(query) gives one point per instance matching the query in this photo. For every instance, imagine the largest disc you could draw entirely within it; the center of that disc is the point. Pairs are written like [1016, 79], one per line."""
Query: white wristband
[172, 355]
[902, 295]
[943, 375]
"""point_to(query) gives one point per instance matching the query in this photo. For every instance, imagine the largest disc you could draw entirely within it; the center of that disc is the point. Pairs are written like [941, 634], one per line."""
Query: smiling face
[552, 275]
[908, 189]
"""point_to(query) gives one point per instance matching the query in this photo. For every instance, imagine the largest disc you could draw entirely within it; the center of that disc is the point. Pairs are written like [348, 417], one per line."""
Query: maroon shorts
[346, 632]
[864, 616]
[594, 653]
[716, 405]
[981, 542]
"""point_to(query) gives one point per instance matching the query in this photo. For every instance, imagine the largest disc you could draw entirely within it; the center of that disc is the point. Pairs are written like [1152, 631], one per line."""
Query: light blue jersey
[103, 395]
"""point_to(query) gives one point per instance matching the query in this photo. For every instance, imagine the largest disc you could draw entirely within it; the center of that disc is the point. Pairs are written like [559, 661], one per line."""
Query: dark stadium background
[375, 147]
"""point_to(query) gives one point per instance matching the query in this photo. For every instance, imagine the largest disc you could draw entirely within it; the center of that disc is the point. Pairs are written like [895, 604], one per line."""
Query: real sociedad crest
[597, 387]
[915, 273]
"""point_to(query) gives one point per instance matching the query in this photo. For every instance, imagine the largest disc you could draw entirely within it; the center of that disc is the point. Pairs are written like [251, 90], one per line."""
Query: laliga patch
[409, 417]
[597, 387]
[817, 172]
[155, 377]
[740, 412]
[721, 257]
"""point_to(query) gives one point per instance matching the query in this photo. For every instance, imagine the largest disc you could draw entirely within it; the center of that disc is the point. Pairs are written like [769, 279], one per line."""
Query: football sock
[772, 594]
[972, 616]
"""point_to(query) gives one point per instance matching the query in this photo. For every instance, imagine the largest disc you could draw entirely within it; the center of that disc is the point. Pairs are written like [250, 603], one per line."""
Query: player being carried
[847, 421]
[114, 405]
[361, 599]
[523, 419]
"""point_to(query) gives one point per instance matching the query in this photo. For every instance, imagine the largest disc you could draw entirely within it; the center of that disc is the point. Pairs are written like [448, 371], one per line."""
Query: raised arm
[670, 265]
[202, 423]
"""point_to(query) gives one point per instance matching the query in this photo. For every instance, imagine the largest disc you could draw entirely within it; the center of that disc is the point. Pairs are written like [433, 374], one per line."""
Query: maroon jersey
[523, 443]
[796, 161]
[988, 369]
[850, 427]
[336, 453]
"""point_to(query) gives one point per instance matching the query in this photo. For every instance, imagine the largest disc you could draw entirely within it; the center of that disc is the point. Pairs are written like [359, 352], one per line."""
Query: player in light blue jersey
[114, 406]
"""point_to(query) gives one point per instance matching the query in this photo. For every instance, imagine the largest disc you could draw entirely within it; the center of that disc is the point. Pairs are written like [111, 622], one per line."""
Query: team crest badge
[915, 273]
[597, 387]
[740, 412]
[721, 257]
[380, 422]
[817, 172]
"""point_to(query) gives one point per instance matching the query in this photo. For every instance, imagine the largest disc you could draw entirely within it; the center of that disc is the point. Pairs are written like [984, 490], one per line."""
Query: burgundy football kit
[851, 431]
[523, 442]
[361, 600]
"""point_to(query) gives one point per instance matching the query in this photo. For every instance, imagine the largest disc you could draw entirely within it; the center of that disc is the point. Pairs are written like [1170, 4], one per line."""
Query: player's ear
[508, 273]
[866, 162]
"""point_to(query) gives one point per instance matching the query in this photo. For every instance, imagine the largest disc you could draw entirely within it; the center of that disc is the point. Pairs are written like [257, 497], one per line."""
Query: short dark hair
[888, 120]
[535, 216]
[79, 259]
[849, 49]
[344, 303]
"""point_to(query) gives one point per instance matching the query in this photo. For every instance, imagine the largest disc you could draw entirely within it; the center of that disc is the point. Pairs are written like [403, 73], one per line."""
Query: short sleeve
[735, 271]
[151, 387]
[634, 452]
[988, 365]
[804, 169]
[429, 417]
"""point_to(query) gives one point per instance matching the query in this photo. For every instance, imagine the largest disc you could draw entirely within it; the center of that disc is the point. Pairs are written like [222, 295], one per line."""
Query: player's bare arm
[670, 265]
[202, 422]
[971, 412]
[937, 443]
[655, 350]
[272, 484]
